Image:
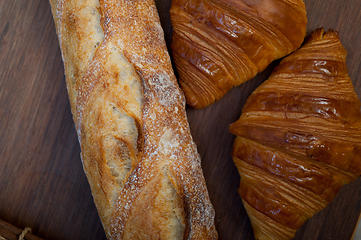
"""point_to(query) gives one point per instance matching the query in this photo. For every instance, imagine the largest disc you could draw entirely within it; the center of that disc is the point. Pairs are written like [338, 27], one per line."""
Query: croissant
[298, 138]
[217, 45]
[129, 112]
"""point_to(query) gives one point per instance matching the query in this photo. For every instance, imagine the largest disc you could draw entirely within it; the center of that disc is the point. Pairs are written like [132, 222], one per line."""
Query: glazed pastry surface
[298, 138]
[220, 44]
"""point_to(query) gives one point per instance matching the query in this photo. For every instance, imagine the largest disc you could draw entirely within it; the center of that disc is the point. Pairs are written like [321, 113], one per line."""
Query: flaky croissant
[298, 138]
[220, 44]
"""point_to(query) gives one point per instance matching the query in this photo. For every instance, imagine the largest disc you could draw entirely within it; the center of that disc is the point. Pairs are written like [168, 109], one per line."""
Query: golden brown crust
[137, 150]
[298, 138]
[220, 44]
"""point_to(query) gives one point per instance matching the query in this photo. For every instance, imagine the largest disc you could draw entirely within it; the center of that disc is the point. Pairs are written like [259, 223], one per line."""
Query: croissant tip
[331, 33]
[232, 128]
[321, 33]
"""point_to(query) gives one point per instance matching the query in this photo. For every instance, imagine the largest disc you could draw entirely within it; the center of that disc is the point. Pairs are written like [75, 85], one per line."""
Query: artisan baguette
[137, 151]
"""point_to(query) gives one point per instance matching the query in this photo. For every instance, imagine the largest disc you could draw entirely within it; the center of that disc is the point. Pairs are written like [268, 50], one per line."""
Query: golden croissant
[220, 44]
[298, 138]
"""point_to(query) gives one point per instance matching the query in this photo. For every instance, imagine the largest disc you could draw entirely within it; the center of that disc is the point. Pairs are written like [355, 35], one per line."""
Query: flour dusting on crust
[137, 150]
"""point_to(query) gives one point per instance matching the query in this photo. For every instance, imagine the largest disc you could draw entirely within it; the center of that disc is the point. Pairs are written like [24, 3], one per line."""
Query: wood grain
[42, 183]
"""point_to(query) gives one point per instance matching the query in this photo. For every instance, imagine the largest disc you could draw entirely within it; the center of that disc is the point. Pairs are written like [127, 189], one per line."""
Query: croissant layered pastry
[298, 139]
[137, 151]
[217, 45]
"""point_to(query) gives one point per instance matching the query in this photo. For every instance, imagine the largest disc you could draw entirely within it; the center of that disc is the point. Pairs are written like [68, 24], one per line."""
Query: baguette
[136, 148]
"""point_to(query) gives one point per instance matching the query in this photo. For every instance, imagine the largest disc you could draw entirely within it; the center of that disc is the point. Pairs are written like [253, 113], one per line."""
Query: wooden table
[42, 183]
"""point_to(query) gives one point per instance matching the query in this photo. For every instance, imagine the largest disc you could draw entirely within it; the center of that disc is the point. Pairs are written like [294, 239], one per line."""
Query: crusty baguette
[137, 151]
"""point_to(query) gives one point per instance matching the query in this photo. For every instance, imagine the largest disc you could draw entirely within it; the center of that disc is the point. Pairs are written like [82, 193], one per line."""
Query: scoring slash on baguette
[137, 151]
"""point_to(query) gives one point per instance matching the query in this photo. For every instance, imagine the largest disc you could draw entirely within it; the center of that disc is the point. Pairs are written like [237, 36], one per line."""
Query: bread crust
[137, 151]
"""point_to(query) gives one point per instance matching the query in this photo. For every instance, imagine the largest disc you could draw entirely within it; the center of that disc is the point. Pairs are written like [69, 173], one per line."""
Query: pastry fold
[220, 44]
[298, 138]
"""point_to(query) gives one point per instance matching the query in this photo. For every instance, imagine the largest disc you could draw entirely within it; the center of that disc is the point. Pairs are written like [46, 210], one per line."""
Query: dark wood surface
[42, 183]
